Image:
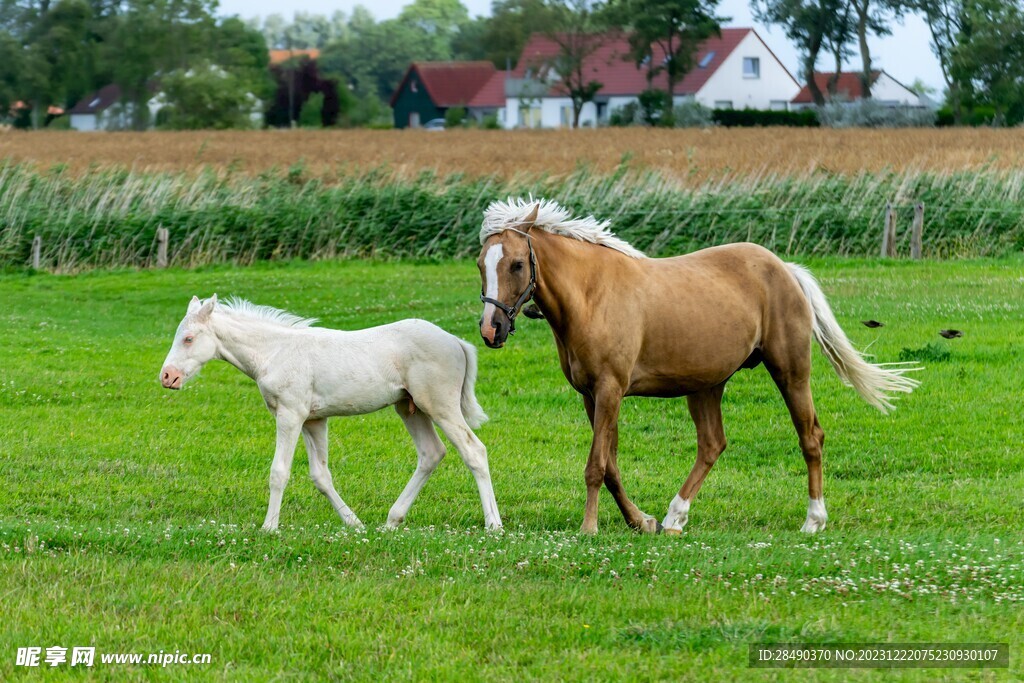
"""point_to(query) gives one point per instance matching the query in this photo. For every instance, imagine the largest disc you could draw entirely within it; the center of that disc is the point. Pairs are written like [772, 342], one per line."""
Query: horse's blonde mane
[553, 218]
[268, 314]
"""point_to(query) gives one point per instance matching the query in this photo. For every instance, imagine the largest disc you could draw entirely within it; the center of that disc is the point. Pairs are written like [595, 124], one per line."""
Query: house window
[706, 60]
[751, 67]
[723, 104]
[529, 117]
[413, 87]
[778, 105]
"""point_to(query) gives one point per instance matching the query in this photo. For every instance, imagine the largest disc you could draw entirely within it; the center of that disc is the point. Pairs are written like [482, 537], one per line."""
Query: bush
[454, 117]
[872, 114]
[490, 122]
[626, 115]
[655, 107]
[692, 115]
[805, 118]
[311, 115]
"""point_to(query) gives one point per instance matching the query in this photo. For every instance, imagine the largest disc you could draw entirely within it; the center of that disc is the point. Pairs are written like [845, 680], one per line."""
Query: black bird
[951, 334]
[872, 323]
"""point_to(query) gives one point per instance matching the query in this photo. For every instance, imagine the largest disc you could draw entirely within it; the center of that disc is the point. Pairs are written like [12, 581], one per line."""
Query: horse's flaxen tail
[875, 383]
[471, 410]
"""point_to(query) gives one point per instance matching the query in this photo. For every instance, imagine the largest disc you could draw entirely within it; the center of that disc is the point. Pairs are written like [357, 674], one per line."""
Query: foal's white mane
[553, 218]
[247, 309]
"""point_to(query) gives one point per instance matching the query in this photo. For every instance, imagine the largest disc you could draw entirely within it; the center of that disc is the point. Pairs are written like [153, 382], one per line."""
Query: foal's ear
[203, 314]
[193, 305]
[529, 221]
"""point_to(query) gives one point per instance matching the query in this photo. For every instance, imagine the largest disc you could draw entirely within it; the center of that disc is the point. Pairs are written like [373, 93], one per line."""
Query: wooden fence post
[37, 249]
[163, 236]
[889, 232]
[916, 231]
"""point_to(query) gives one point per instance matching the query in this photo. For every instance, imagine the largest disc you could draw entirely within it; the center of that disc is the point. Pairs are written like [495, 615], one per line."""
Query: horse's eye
[189, 340]
[516, 266]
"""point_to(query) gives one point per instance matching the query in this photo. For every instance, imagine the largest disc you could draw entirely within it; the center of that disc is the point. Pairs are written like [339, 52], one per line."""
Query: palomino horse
[308, 374]
[627, 325]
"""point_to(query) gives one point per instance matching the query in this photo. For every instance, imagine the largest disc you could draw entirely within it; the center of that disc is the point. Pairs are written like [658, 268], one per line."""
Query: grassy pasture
[129, 516]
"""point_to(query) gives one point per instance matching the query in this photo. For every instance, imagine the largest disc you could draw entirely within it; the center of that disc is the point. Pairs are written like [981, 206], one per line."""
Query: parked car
[434, 124]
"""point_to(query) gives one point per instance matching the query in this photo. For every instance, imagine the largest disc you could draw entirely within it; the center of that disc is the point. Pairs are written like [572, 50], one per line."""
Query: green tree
[810, 24]
[206, 97]
[675, 27]
[987, 61]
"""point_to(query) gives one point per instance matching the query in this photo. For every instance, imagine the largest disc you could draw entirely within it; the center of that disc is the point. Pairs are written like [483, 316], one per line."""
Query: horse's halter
[514, 310]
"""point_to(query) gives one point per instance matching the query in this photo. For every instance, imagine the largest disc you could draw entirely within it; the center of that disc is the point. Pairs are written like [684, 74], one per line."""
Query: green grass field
[129, 515]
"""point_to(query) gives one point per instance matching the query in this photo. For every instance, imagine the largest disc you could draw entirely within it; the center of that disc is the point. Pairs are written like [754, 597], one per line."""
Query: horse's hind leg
[794, 381]
[429, 452]
[315, 434]
[706, 412]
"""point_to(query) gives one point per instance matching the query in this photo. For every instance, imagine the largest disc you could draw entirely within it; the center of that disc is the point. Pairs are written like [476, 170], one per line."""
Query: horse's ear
[529, 221]
[194, 305]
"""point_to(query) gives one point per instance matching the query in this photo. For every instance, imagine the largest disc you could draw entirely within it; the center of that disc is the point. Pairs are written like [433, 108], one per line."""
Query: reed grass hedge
[109, 218]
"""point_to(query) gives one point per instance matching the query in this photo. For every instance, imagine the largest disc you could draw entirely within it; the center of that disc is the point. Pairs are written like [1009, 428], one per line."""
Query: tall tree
[577, 29]
[947, 21]
[872, 17]
[675, 27]
[809, 24]
[510, 25]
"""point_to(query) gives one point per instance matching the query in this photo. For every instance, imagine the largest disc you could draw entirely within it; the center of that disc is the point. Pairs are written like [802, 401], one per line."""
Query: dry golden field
[685, 154]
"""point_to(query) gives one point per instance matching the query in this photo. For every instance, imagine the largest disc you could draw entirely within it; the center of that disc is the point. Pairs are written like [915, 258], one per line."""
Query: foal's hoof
[813, 526]
[267, 529]
[672, 532]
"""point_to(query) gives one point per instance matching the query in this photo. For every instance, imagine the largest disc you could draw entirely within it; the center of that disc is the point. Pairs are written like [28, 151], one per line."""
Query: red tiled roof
[279, 56]
[619, 75]
[450, 84]
[848, 86]
[492, 94]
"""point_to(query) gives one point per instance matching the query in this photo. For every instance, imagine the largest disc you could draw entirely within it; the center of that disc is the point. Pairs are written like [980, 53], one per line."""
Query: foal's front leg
[315, 434]
[288, 427]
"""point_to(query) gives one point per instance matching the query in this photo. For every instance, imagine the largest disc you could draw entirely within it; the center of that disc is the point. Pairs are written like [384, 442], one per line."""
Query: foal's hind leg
[794, 381]
[429, 452]
[315, 434]
[706, 412]
[474, 454]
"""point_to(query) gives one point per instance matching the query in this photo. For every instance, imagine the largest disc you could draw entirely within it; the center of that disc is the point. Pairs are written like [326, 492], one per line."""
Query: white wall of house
[84, 122]
[733, 85]
[546, 112]
[886, 90]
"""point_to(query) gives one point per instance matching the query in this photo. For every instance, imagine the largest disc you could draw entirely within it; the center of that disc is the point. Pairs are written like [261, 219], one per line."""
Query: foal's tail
[471, 410]
[875, 383]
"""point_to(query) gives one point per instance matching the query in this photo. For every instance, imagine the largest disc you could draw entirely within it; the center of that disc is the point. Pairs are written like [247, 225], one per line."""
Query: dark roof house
[429, 89]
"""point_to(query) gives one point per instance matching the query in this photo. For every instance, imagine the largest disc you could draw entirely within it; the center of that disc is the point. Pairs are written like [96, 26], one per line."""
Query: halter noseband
[514, 310]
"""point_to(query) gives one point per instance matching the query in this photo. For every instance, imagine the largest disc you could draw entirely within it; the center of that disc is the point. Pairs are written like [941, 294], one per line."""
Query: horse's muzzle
[496, 333]
[171, 378]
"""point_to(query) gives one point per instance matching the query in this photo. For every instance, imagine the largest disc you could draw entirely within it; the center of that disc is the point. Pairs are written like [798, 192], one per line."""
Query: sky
[906, 55]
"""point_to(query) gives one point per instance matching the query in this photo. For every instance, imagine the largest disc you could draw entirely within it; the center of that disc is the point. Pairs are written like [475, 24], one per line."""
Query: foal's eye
[189, 339]
[516, 266]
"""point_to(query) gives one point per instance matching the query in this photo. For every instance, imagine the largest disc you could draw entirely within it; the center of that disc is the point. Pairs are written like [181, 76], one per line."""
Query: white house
[885, 90]
[734, 71]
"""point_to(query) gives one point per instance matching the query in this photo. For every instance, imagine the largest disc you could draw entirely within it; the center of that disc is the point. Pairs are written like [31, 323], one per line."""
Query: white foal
[308, 374]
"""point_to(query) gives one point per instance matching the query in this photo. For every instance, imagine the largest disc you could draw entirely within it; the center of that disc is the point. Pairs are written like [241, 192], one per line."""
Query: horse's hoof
[588, 531]
[673, 532]
[650, 525]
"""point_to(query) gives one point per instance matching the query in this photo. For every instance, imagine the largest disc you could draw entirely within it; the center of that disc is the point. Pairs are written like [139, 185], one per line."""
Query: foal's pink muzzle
[171, 377]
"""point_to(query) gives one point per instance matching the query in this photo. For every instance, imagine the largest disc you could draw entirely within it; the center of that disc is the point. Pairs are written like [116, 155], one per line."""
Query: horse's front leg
[605, 421]
[288, 427]
[631, 513]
